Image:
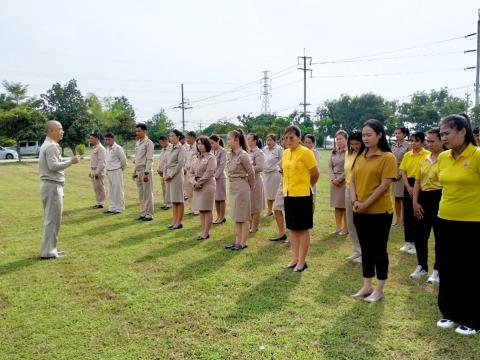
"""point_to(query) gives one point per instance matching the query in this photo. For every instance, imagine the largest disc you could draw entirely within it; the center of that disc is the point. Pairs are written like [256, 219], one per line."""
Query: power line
[184, 105]
[389, 74]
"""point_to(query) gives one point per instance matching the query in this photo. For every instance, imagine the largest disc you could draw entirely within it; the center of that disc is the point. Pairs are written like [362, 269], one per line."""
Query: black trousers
[429, 200]
[458, 251]
[408, 216]
[373, 231]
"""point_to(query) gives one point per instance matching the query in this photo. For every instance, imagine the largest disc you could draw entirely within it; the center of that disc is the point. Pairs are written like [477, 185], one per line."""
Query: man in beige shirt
[97, 166]
[142, 171]
[163, 141]
[51, 171]
[191, 150]
[115, 165]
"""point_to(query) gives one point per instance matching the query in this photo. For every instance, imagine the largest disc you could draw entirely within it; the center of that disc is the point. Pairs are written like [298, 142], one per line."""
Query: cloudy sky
[144, 49]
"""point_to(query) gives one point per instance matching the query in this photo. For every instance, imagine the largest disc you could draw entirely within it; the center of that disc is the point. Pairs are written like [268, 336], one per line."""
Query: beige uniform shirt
[272, 158]
[203, 169]
[239, 166]
[336, 165]
[143, 155]
[162, 160]
[191, 152]
[257, 157]
[175, 160]
[221, 158]
[116, 158]
[97, 159]
[50, 163]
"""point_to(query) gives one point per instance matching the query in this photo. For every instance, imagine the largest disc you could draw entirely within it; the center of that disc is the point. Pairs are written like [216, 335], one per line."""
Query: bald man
[51, 171]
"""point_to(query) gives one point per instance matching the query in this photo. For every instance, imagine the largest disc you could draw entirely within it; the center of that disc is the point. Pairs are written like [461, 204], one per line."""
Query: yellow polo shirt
[410, 161]
[460, 180]
[368, 174]
[427, 174]
[349, 159]
[296, 166]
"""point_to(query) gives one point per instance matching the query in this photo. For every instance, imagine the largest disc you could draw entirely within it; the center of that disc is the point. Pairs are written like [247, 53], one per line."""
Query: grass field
[132, 290]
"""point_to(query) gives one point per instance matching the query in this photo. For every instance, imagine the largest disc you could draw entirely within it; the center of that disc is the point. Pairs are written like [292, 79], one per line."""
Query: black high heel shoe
[283, 237]
[219, 222]
[302, 269]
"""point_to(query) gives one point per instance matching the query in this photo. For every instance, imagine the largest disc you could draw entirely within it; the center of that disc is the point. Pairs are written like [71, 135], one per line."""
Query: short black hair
[95, 135]
[419, 135]
[141, 126]
[162, 137]
[192, 134]
[177, 133]
[110, 135]
[476, 131]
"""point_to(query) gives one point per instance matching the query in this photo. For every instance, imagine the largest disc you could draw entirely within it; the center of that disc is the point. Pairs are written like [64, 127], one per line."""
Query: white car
[29, 148]
[8, 154]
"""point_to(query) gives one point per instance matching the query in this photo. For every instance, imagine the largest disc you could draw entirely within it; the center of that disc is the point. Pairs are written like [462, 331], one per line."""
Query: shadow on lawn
[353, 334]
[265, 297]
[17, 265]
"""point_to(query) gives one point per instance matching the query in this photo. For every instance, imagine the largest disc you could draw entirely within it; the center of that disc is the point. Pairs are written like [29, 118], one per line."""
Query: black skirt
[299, 212]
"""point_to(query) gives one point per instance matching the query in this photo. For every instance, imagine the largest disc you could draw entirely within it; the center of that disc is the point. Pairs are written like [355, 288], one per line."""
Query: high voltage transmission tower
[266, 93]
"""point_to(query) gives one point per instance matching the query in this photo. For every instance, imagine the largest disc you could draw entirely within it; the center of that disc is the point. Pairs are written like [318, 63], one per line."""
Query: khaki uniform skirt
[271, 180]
[203, 198]
[240, 207]
[221, 190]
[174, 189]
[257, 197]
[278, 204]
[397, 188]
[337, 196]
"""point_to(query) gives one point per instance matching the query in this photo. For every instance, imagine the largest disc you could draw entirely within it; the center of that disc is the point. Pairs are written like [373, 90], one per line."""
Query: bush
[80, 149]
[7, 142]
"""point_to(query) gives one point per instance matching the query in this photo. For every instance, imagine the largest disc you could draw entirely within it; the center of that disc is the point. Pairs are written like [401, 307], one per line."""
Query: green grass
[131, 290]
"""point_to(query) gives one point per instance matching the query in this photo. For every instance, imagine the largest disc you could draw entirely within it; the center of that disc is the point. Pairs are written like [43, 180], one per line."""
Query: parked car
[8, 154]
[29, 148]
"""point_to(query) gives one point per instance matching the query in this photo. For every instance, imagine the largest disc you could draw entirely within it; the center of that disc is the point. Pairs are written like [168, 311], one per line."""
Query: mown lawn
[132, 290]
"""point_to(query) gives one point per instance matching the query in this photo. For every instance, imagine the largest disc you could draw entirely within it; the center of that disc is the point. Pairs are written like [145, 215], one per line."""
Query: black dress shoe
[147, 219]
[219, 222]
[291, 267]
[284, 237]
[203, 238]
[109, 212]
[141, 217]
[238, 247]
[228, 247]
[176, 227]
[302, 269]
[169, 226]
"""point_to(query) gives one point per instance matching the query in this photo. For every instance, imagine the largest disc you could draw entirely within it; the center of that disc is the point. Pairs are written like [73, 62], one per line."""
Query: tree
[220, 127]
[424, 110]
[475, 115]
[22, 123]
[159, 124]
[15, 91]
[67, 105]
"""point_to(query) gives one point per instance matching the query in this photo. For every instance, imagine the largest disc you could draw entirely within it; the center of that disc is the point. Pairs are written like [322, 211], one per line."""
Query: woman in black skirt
[300, 174]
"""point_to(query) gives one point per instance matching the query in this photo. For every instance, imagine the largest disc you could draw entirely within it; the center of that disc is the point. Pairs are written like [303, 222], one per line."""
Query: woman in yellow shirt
[353, 147]
[427, 192]
[459, 227]
[300, 174]
[373, 171]
[409, 168]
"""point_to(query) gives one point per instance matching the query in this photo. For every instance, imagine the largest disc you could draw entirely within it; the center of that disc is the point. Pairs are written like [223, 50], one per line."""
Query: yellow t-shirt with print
[460, 180]
[296, 166]
[427, 174]
[349, 159]
[410, 162]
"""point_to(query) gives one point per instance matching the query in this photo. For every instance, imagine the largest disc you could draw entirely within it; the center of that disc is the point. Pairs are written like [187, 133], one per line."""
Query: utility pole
[266, 95]
[467, 99]
[305, 70]
[184, 105]
[477, 81]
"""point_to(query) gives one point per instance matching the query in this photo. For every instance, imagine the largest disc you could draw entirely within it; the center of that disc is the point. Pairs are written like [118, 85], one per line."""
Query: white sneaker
[434, 278]
[465, 330]
[405, 248]
[357, 260]
[418, 273]
[446, 324]
[412, 250]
